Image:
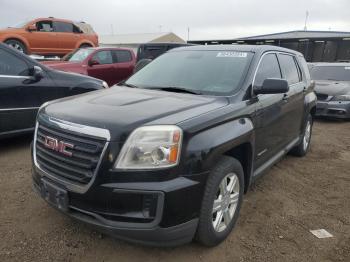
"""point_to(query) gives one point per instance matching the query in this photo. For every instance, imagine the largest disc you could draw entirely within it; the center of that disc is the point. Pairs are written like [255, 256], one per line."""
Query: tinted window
[122, 56]
[11, 65]
[207, 72]
[44, 26]
[289, 69]
[103, 57]
[338, 73]
[268, 68]
[63, 27]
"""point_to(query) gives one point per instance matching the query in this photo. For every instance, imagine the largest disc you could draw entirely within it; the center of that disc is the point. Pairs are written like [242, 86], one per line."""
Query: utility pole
[188, 34]
[160, 28]
[306, 18]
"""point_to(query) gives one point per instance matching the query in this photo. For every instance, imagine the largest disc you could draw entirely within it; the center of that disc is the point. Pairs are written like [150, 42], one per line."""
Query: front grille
[321, 97]
[80, 166]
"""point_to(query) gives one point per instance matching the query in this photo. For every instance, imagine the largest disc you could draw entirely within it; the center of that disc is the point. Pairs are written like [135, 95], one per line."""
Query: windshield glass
[337, 73]
[78, 55]
[205, 72]
[20, 24]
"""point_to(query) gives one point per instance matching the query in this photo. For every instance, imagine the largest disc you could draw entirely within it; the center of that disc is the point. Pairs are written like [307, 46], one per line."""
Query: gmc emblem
[58, 146]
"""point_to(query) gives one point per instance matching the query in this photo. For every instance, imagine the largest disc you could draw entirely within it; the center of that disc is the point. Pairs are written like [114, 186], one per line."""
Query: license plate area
[54, 195]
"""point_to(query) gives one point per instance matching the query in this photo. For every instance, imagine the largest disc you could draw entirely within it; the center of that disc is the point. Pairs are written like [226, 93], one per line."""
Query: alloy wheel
[307, 135]
[225, 203]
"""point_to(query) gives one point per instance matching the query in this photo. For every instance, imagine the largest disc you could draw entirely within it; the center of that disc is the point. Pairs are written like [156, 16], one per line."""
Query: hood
[66, 66]
[122, 109]
[332, 88]
[10, 30]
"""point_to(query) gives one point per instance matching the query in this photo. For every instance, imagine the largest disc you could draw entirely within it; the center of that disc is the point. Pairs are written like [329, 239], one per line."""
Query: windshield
[205, 72]
[20, 24]
[337, 73]
[78, 55]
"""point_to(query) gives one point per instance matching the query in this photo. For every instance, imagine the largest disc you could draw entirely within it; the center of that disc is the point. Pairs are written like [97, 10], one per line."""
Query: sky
[206, 19]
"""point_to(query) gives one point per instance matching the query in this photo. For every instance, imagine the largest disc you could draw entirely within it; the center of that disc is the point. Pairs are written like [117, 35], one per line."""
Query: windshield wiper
[127, 84]
[177, 89]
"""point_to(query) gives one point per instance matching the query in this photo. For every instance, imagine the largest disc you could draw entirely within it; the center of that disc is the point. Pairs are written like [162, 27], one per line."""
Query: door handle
[285, 97]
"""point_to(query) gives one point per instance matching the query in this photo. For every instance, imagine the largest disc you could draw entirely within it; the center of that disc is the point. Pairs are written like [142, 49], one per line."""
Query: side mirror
[31, 28]
[272, 86]
[93, 62]
[37, 73]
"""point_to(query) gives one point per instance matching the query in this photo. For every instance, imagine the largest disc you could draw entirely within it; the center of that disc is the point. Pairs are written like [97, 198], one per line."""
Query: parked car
[25, 85]
[49, 36]
[332, 87]
[149, 51]
[109, 64]
[153, 50]
[168, 156]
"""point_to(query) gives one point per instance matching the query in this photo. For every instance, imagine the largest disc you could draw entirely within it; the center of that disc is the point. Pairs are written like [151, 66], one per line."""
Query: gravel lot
[297, 194]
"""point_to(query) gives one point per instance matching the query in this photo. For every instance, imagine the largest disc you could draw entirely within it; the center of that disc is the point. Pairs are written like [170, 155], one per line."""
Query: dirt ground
[296, 195]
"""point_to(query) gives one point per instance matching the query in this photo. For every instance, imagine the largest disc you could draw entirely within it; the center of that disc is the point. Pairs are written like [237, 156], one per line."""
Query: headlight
[151, 147]
[341, 98]
[105, 85]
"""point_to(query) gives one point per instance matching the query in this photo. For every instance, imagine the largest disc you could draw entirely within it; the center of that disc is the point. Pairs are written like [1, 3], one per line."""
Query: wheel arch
[244, 154]
[234, 138]
[20, 39]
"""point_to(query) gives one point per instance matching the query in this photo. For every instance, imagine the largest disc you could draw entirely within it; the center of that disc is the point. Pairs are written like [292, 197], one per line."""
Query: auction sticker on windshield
[232, 54]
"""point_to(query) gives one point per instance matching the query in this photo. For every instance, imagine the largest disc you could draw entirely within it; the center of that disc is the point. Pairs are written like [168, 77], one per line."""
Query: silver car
[332, 87]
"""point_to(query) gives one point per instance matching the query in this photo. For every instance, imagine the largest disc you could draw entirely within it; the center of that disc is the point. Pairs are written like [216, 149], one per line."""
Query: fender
[205, 148]
[310, 101]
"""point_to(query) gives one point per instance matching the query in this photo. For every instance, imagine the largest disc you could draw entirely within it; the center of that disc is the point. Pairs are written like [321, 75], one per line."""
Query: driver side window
[103, 57]
[10, 65]
[268, 68]
[44, 26]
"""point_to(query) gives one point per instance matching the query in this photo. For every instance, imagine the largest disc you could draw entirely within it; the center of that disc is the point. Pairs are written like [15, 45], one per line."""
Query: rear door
[295, 97]
[104, 70]
[123, 65]
[271, 122]
[67, 38]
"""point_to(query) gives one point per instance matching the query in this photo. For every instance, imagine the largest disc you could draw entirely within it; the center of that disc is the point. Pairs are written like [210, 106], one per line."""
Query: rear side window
[305, 68]
[289, 69]
[103, 57]
[11, 65]
[122, 56]
[63, 27]
[268, 68]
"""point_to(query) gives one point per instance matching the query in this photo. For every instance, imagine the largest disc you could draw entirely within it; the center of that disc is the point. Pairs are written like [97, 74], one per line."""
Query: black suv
[25, 85]
[169, 155]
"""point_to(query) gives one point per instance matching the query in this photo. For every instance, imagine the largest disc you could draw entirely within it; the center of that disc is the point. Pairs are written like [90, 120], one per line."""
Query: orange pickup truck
[49, 36]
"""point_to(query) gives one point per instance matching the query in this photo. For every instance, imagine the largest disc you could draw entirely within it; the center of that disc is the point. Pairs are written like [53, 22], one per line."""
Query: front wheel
[303, 147]
[221, 202]
[19, 46]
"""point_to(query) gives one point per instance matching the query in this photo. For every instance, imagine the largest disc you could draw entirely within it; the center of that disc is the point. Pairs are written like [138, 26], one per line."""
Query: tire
[303, 147]
[209, 218]
[18, 45]
[85, 46]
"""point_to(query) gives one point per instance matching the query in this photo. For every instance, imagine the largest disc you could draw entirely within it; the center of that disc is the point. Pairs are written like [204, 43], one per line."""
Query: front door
[16, 112]
[271, 124]
[104, 68]
[44, 40]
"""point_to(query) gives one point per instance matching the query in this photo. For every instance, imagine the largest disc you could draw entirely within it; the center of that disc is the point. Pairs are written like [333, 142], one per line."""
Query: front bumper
[157, 214]
[334, 109]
